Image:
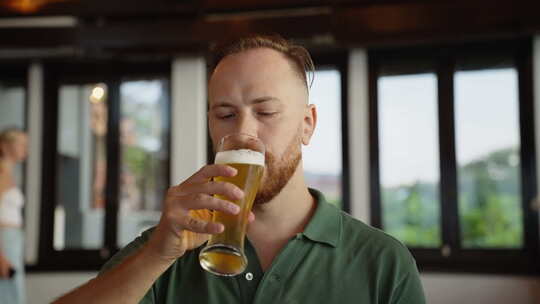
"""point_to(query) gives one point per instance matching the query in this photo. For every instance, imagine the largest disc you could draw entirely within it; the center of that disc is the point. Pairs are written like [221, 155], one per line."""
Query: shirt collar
[325, 224]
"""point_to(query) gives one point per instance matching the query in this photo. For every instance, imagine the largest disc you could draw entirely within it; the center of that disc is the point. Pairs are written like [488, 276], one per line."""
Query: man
[300, 248]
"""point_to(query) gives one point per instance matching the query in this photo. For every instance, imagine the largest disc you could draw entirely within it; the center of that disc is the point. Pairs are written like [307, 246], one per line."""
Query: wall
[480, 289]
[439, 288]
[43, 288]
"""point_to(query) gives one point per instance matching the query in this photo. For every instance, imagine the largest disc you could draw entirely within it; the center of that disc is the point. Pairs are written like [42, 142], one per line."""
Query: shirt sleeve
[398, 277]
[409, 288]
[124, 253]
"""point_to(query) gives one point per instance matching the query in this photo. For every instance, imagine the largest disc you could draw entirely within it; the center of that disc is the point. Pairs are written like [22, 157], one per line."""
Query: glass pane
[12, 105]
[326, 143]
[409, 158]
[145, 154]
[82, 166]
[12, 112]
[488, 157]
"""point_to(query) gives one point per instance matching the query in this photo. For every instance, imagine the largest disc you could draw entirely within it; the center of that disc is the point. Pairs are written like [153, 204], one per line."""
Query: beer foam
[242, 156]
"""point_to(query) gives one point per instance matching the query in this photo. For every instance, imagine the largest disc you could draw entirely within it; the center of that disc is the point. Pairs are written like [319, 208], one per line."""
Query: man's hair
[296, 54]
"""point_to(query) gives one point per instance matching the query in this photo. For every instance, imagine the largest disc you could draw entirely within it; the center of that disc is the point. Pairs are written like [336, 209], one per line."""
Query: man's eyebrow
[224, 104]
[263, 99]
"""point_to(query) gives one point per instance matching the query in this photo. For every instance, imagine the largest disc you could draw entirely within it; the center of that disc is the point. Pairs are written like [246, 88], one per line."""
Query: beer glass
[224, 253]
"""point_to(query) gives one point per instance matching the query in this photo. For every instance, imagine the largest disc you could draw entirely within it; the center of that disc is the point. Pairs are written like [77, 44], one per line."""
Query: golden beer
[224, 252]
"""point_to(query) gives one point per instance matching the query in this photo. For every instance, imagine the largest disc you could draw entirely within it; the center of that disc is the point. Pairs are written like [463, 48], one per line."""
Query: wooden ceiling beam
[433, 22]
[247, 5]
[37, 37]
[343, 25]
[199, 31]
[107, 8]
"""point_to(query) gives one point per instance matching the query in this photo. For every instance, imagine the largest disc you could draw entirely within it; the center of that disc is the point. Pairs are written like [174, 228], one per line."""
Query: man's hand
[186, 219]
[4, 267]
[185, 224]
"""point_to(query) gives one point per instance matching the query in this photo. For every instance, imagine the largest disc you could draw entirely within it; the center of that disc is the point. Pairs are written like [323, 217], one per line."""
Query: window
[12, 102]
[453, 155]
[107, 145]
[488, 170]
[79, 217]
[328, 141]
[408, 141]
[144, 168]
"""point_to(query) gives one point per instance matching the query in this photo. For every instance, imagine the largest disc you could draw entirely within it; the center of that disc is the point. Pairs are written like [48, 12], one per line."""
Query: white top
[11, 203]
[241, 156]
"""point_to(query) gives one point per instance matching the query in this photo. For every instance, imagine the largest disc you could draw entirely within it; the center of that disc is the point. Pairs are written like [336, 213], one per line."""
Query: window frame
[339, 60]
[57, 73]
[523, 261]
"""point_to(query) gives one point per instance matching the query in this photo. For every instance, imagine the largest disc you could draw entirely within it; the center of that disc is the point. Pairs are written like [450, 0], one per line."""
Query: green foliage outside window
[411, 214]
[490, 201]
[490, 211]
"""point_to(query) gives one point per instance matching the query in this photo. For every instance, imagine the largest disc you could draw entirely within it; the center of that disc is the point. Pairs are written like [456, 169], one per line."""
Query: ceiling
[116, 27]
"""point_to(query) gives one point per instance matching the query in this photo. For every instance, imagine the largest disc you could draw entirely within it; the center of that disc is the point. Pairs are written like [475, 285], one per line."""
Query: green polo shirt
[337, 259]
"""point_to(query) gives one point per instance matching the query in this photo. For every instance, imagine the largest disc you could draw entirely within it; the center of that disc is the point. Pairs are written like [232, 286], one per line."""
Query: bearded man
[300, 248]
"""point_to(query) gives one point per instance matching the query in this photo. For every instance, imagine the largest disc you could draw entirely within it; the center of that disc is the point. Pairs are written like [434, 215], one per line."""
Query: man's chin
[272, 186]
[278, 174]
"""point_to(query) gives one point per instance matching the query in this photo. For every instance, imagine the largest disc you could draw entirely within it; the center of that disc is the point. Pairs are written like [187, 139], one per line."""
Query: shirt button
[249, 276]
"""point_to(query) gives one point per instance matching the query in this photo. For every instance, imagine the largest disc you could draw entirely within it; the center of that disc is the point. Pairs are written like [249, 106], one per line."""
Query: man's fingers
[210, 171]
[202, 214]
[228, 190]
[196, 225]
[200, 201]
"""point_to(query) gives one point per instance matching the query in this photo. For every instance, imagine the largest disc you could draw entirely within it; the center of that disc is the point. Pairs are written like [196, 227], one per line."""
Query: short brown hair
[297, 55]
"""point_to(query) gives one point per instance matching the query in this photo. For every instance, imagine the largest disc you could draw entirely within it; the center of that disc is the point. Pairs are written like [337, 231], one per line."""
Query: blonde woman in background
[13, 150]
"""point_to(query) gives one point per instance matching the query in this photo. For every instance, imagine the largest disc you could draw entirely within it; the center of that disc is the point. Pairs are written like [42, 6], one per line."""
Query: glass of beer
[224, 253]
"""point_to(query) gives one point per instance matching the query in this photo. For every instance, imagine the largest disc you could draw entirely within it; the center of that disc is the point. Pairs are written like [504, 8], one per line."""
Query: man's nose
[247, 124]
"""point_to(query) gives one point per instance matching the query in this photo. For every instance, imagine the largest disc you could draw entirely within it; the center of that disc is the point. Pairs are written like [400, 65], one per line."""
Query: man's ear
[309, 124]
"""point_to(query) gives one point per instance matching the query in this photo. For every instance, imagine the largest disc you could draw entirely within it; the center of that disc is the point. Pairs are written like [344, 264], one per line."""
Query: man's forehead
[255, 73]
[255, 66]
[257, 58]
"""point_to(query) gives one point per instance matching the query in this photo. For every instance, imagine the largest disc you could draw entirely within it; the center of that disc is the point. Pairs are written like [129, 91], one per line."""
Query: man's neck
[286, 214]
[278, 220]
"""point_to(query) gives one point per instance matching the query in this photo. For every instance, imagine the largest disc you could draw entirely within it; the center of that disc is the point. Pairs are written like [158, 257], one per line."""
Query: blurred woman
[13, 149]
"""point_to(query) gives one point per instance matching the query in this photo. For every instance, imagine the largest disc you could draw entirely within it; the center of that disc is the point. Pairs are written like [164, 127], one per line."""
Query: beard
[278, 171]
